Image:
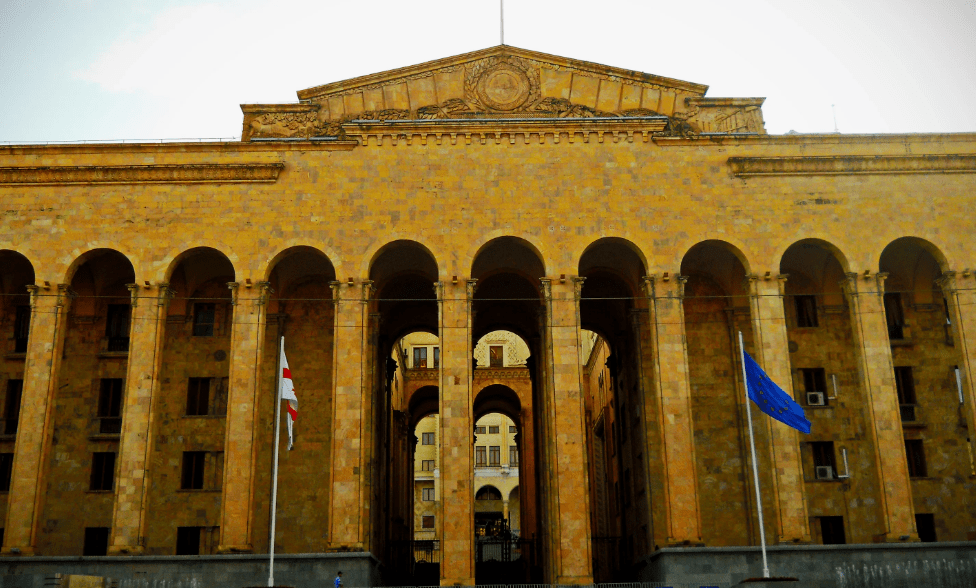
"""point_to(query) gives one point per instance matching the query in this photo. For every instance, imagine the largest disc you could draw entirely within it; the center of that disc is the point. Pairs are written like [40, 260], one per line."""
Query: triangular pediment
[498, 83]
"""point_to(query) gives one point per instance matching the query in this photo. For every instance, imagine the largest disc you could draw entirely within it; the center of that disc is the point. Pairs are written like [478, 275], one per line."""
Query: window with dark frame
[823, 456]
[117, 326]
[427, 494]
[925, 524]
[427, 465]
[495, 455]
[198, 397]
[806, 311]
[96, 541]
[437, 357]
[513, 455]
[480, 456]
[188, 540]
[21, 328]
[496, 355]
[204, 319]
[102, 471]
[512, 429]
[420, 357]
[110, 406]
[479, 430]
[832, 530]
[6, 471]
[427, 522]
[915, 452]
[194, 466]
[905, 386]
[427, 438]
[493, 429]
[11, 409]
[894, 315]
[814, 380]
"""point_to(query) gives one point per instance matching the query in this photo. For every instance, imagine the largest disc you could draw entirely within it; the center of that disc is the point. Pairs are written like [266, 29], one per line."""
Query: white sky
[123, 69]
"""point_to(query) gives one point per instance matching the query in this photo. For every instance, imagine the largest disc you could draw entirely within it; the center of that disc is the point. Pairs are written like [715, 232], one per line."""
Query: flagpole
[755, 467]
[274, 471]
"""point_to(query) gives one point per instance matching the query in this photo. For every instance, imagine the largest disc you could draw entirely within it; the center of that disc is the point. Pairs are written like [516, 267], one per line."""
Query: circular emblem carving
[503, 87]
[220, 355]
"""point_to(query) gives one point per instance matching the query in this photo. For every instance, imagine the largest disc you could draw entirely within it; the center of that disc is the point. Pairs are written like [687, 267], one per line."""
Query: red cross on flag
[287, 392]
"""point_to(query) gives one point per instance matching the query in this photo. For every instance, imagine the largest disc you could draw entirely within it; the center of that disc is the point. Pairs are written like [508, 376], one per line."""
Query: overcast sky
[164, 69]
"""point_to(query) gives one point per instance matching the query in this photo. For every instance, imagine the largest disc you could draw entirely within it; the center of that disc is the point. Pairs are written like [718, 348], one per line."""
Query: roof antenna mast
[501, 13]
[834, 110]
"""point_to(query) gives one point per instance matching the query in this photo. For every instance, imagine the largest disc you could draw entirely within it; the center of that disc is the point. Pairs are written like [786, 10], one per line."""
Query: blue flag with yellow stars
[771, 399]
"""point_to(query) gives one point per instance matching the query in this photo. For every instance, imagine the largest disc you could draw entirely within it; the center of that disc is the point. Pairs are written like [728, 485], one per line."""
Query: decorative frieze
[744, 167]
[141, 174]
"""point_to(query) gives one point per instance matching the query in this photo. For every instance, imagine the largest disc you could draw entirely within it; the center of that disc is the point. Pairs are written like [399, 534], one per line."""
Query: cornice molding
[141, 174]
[745, 167]
[466, 131]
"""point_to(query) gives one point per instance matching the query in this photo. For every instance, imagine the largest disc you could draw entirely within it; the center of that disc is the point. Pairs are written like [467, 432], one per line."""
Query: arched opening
[89, 401]
[716, 309]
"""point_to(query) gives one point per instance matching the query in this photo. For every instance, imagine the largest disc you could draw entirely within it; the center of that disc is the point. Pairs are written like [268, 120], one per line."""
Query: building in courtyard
[624, 227]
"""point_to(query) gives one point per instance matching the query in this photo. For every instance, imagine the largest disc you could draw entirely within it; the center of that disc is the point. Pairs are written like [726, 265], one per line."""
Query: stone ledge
[744, 167]
[214, 173]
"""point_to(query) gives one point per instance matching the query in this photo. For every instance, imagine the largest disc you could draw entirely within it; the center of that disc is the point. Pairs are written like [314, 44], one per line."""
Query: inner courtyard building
[510, 287]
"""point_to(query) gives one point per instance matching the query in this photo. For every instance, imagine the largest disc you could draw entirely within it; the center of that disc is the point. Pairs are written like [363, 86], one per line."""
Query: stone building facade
[145, 287]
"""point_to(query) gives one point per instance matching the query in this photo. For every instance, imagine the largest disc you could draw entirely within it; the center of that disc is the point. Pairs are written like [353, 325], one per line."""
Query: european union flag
[771, 399]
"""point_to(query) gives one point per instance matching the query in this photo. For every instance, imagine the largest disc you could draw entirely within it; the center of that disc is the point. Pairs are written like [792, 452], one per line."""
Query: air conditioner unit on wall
[816, 399]
[825, 472]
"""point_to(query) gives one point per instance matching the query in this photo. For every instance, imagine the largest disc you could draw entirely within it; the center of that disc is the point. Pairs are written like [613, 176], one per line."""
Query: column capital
[546, 289]
[471, 286]
[349, 292]
[665, 286]
[855, 284]
[759, 285]
[948, 282]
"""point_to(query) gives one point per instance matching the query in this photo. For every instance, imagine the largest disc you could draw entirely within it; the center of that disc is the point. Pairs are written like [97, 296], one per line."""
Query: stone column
[28, 481]
[456, 515]
[349, 477]
[146, 334]
[865, 295]
[569, 493]
[772, 353]
[960, 293]
[673, 391]
[242, 442]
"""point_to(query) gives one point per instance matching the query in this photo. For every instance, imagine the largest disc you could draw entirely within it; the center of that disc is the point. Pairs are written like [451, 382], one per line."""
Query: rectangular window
[419, 357]
[894, 315]
[814, 386]
[428, 494]
[6, 470]
[511, 429]
[905, 386]
[437, 357]
[11, 410]
[198, 397]
[110, 406]
[495, 455]
[492, 430]
[480, 456]
[823, 460]
[117, 326]
[103, 471]
[96, 541]
[916, 458]
[188, 540]
[806, 311]
[428, 522]
[428, 438]
[204, 318]
[479, 430]
[832, 530]
[925, 523]
[427, 465]
[194, 465]
[513, 456]
[21, 328]
[496, 355]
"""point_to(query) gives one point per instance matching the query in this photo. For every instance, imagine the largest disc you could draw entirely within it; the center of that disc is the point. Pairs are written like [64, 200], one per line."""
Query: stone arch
[815, 267]
[615, 254]
[913, 265]
[508, 253]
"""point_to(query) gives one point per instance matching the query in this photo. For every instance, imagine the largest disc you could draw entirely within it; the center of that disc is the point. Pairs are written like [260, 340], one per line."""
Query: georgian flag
[287, 392]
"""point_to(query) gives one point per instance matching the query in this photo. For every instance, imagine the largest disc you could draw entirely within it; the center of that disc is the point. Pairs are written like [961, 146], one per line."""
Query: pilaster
[146, 334]
[960, 292]
[457, 437]
[865, 295]
[570, 517]
[28, 481]
[772, 353]
[673, 391]
[240, 446]
[349, 499]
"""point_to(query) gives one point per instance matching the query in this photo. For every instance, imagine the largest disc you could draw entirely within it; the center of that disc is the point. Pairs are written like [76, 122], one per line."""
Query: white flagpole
[274, 472]
[501, 20]
[755, 467]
